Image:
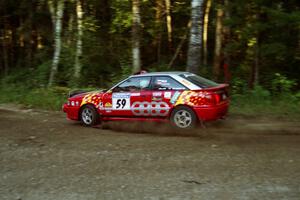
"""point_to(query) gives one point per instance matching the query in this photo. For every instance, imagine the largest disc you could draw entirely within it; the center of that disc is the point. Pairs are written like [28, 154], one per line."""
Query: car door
[126, 99]
[164, 90]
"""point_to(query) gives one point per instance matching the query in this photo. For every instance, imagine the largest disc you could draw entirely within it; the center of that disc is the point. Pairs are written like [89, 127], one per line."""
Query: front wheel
[184, 117]
[89, 115]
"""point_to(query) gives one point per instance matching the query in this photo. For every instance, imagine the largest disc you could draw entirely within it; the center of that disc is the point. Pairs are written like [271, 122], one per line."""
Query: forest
[49, 47]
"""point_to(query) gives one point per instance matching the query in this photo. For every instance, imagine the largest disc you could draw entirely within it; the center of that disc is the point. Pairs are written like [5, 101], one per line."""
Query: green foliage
[281, 84]
[31, 78]
[238, 86]
[261, 102]
[49, 99]
[122, 18]
[265, 32]
[121, 74]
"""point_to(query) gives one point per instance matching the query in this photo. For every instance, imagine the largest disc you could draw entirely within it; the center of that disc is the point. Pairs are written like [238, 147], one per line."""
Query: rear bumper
[72, 112]
[213, 112]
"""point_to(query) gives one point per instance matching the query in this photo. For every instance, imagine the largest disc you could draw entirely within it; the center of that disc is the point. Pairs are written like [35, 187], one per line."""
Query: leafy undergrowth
[254, 103]
[260, 102]
[48, 99]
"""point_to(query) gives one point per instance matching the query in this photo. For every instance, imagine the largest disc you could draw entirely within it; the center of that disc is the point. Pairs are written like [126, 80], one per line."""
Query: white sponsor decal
[121, 101]
[167, 95]
[135, 94]
[186, 83]
[157, 94]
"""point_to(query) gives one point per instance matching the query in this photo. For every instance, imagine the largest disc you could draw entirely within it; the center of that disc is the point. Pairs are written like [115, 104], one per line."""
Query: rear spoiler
[220, 86]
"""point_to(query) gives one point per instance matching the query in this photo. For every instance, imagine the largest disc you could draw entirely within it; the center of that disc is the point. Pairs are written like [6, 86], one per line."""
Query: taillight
[217, 98]
[213, 98]
[210, 99]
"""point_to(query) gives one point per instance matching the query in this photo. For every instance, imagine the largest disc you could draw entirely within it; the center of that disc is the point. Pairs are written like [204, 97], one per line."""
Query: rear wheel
[89, 115]
[184, 117]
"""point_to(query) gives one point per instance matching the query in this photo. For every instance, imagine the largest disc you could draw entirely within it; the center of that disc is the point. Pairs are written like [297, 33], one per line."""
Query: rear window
[166, 83]
[199, 81]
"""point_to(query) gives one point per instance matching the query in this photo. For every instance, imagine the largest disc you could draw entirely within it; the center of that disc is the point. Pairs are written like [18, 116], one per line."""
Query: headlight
[72, 103]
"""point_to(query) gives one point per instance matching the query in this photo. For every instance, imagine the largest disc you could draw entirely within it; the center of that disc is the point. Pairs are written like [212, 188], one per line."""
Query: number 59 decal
[121, 101]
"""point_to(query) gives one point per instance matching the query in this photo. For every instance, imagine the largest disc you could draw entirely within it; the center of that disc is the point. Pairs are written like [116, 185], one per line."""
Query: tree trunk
[169, 22]
[205, 30]
[195, 42]
[226, 40]
[256, 64]
[158, 21]
[136, 55]
[70, 33]
[179, 46]
[78, 56]
[297, 54]
[5, 40]
[52, 11]
[254, 73]
[4, 52]
[57, 42]
[254, 76]
[218, 43]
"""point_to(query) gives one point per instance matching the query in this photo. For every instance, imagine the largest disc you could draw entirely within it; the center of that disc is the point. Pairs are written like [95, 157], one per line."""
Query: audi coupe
[181, 98]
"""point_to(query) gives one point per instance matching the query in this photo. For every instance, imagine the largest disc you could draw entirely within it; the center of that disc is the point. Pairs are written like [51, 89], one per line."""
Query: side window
[133, 84]
[166, 83]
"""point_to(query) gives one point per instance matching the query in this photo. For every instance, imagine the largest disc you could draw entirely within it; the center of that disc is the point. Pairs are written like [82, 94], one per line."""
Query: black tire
[89, 115]
[184, 117]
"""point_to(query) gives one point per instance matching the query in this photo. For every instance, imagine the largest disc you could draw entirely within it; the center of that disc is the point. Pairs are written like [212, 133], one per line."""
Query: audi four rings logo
[150, 108]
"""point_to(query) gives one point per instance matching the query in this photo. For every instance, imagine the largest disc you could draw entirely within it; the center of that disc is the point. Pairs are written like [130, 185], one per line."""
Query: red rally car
[179, 97]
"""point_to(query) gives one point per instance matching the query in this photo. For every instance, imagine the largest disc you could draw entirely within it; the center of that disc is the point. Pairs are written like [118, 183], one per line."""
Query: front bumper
[72, 111]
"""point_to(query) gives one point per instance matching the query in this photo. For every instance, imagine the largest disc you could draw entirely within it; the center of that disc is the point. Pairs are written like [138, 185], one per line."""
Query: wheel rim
[87, 116]
[183, 119]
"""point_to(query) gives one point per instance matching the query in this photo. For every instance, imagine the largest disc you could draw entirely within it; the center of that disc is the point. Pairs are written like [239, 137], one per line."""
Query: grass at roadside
[48, 99]
[251, 104]
[277, 106]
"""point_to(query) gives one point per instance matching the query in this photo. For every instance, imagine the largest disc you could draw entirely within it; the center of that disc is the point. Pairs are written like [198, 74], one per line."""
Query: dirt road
[44, 156]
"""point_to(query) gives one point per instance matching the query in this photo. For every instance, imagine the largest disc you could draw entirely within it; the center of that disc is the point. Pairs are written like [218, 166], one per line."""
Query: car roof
[160, 74]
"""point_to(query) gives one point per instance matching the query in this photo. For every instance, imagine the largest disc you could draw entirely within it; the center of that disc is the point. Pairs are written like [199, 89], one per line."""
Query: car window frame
[131, 77]
[207, 82]
[152, 83]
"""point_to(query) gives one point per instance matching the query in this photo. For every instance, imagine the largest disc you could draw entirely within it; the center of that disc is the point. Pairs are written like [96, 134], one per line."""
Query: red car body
[154, 97]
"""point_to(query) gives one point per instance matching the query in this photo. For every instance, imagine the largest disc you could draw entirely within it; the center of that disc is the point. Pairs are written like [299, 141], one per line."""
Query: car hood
[83, 94]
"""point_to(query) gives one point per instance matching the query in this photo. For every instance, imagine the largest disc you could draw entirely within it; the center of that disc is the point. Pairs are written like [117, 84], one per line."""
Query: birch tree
[56, 16]
[169, 22]
[205, 30]
[158, 21]
[218, 42]
[78, 56]
[195, 42]
[136, 54]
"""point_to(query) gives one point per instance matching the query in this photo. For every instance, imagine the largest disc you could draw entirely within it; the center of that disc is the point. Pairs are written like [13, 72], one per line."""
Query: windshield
[199, 81]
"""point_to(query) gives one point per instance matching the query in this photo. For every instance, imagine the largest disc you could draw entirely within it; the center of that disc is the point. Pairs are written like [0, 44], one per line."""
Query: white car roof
[175, 75]
[161, 73]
